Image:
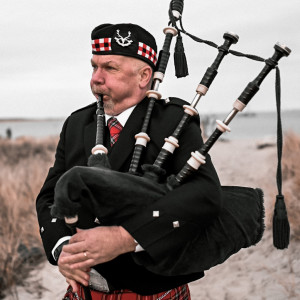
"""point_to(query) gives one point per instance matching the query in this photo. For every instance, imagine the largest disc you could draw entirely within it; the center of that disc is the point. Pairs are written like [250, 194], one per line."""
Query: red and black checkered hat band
[144, 50]
[148, 52]
[124, 39]
[103, 44]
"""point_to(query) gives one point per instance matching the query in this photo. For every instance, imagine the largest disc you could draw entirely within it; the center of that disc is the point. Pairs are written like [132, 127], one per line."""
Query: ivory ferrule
[239, 105]
[71, 220]
[153, 94]
[201, 89]
[190, 110]
[170, 144]
[196, 160]
[222, 127]
[142, 138]
[159, 75]
[99, 149]
[171, 30]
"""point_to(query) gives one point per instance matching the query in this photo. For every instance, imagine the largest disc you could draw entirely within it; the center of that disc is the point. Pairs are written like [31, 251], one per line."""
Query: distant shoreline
[243, 114]
[251, 125]
[8, 120]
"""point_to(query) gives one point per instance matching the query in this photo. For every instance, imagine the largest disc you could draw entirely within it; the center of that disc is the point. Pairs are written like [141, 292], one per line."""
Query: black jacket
[194, 204]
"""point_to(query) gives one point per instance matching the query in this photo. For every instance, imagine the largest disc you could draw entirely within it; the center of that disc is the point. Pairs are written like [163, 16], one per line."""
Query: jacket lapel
[90, 136]
[121, 151]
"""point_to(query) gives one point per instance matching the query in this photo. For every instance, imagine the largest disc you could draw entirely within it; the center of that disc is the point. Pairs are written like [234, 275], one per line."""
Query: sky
[45, 51]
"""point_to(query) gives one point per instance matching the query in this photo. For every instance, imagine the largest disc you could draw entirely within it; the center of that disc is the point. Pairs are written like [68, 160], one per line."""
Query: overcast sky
[45, 51]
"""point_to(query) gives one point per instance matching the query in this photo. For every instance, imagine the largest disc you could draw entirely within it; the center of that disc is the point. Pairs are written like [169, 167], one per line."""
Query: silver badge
[123, 41]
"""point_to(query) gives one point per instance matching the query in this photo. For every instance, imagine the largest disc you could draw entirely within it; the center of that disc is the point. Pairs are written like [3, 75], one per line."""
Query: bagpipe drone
[240, 223]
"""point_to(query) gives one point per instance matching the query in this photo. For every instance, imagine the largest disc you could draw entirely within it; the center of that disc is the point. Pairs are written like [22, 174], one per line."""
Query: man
[122, 73]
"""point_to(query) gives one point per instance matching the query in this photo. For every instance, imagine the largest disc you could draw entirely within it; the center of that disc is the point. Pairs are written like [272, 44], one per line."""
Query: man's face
[117, 78]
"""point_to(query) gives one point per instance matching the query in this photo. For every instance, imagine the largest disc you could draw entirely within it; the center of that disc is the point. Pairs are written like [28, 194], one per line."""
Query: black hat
[124, 39]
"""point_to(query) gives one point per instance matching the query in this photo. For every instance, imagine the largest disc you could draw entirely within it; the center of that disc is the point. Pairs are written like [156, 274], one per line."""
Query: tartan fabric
[103, 44]
[179, 293]
[146, 51]
[115, 129]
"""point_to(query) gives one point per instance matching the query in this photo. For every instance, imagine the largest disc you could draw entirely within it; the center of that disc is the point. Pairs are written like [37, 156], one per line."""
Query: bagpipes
[240, 223]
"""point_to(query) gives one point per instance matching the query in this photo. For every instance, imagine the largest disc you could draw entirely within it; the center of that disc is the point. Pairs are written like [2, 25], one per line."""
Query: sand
[258, 272]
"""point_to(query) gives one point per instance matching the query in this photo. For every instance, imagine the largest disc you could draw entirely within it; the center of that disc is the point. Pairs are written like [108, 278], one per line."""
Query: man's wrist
[130, 244]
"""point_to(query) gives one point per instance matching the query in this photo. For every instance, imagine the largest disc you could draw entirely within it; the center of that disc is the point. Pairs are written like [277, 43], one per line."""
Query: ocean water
[32, 128]
[244, 125]
[256, 125]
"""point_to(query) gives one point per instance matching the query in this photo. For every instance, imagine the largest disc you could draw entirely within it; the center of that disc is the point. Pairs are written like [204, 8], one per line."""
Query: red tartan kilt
[179, 293]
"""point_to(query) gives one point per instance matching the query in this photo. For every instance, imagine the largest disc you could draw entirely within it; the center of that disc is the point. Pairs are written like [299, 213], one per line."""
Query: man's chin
[108, 108]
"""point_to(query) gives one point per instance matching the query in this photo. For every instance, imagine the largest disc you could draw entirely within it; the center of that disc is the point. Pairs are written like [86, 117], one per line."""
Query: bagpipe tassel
[281, 226]
[181, 67]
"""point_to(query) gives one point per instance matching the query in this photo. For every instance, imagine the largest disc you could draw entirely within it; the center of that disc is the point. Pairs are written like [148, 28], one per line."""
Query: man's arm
[52, 229]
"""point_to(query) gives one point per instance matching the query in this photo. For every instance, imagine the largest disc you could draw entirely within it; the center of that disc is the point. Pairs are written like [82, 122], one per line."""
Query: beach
[258, 272]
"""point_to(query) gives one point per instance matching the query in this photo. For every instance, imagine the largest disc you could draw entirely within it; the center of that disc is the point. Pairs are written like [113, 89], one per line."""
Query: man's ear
[145, 76]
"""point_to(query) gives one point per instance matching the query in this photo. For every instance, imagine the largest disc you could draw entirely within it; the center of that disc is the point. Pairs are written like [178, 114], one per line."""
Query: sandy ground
[259, 272]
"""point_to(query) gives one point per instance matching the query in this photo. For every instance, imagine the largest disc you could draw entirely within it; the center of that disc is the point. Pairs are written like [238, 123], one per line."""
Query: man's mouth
[98, 94]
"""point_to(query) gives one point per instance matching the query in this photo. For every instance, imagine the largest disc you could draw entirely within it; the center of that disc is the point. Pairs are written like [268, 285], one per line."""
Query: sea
[243, 126]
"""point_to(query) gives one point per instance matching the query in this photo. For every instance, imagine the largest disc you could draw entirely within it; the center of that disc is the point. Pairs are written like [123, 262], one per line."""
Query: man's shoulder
[172, 107]
[88, 108]
[173, 102]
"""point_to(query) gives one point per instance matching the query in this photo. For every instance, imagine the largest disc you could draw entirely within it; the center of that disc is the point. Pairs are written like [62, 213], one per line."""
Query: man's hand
[72, 275]
[90, 247]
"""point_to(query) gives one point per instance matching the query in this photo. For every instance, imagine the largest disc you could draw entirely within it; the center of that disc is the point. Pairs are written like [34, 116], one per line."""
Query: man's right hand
[73, 276]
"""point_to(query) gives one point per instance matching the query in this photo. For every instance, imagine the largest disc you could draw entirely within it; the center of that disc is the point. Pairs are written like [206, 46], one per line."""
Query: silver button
[156, 213]
[42, 229]
[176, 224]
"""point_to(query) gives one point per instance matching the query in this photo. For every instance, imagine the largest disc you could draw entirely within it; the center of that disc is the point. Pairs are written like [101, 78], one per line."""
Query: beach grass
[24, 166]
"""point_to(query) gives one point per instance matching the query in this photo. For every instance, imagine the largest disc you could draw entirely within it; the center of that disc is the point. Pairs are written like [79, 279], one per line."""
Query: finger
[78, 247]
[85, 265]
[74, 258]
[74, 273]
[78, 237]
[74, 285]
[78, 276]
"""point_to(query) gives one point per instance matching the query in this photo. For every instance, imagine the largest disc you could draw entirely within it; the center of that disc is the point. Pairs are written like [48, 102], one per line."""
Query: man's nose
[98, 76]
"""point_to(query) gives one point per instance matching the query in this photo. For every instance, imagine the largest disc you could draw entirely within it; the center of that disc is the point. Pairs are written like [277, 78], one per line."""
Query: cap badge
[123, 41]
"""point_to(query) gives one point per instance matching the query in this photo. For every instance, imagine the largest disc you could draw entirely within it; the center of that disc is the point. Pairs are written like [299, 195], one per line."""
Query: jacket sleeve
[184, 211]
[52, 229]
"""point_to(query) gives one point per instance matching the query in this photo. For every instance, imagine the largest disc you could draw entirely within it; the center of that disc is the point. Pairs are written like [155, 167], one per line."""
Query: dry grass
[291, 177]
[24, 165]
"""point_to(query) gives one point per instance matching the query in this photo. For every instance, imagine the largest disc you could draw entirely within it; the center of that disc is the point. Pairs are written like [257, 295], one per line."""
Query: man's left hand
[97, 245]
